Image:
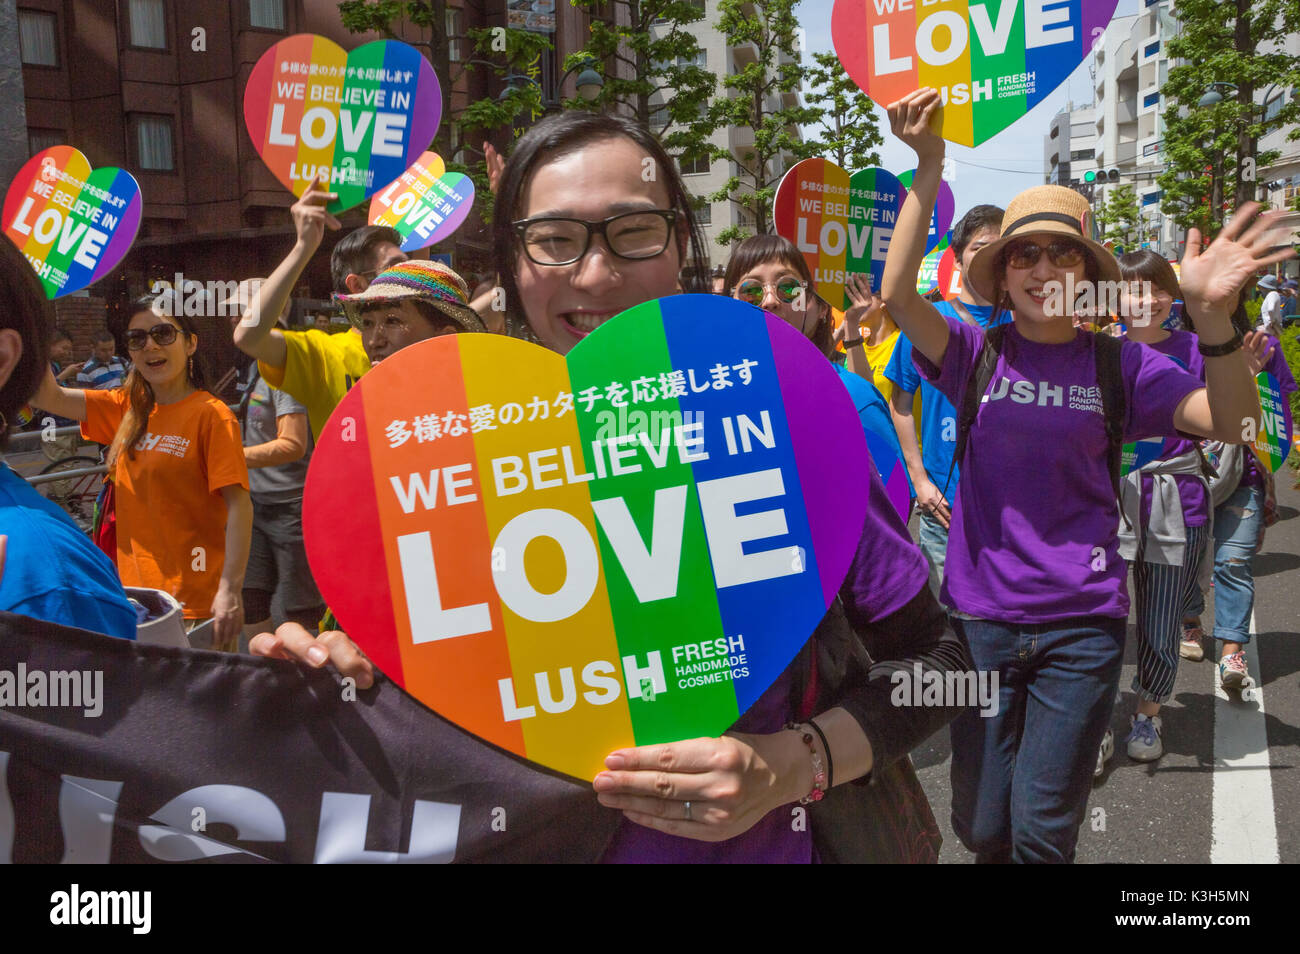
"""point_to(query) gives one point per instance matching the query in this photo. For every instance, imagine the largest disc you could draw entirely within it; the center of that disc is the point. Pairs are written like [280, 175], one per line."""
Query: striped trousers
[1160, 593]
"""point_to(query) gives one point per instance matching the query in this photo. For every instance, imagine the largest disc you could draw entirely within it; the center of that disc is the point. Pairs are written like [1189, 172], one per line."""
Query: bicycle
[77, 494]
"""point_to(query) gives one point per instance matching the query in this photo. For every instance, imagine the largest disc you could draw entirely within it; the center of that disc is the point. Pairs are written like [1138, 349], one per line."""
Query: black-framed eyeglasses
[751, 290]
[555, 240]
[162, 334]
[1062, 253]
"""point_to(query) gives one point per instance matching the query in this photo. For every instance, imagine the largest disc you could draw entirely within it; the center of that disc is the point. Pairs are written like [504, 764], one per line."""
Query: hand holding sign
[73, 223]
[566, 555]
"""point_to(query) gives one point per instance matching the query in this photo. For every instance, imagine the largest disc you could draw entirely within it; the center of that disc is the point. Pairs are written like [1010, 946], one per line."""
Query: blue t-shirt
[878, 425]
[938, 416]
[52, 570]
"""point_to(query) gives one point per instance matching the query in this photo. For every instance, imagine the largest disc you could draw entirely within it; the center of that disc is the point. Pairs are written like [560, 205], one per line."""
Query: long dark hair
[759, 249]
[139, 393]
[25, 309]
[565, 132]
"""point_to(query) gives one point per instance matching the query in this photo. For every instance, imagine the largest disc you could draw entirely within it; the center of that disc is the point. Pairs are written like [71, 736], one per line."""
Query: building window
[1151, 49]
[1150, 99]
[37, 38]
[266, 14]
[148, 24]
[1081, 154]
[153, 139]
[1274, 106]
[1056, 131]
[454, 32]
[695, 166]
[659, 117]
[704, 213]
[38, 140]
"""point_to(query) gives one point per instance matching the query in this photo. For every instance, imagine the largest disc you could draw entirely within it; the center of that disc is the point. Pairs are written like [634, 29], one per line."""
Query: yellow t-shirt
[318, 370]
[878, 356]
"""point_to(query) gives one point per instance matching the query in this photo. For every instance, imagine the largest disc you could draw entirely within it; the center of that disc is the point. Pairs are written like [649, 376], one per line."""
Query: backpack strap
[978, 382]
[1107, 352]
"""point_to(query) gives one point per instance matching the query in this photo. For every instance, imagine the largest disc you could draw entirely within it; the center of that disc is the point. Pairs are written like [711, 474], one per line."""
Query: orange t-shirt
[169, 501]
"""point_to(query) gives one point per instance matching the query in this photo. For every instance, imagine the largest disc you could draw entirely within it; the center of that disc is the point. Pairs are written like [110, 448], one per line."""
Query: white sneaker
[1144, 742]
[1104, 754]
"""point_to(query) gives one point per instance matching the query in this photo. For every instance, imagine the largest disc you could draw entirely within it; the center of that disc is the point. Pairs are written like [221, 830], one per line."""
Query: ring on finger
[687, 807]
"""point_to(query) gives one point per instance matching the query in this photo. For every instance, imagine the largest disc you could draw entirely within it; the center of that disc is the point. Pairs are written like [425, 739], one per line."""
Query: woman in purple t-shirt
[1033, 571]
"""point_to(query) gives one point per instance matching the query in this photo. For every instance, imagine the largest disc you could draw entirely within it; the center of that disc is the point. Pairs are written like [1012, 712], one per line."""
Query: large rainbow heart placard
[74, 223]
[841, 223]
[425, 204]
[991, 62]
[1273, 442]
[357, 119]
[565, 555]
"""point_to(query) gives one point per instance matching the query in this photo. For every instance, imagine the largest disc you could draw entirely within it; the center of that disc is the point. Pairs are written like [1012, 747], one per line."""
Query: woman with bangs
[176, 459]
[580, 236]
[1034, 574]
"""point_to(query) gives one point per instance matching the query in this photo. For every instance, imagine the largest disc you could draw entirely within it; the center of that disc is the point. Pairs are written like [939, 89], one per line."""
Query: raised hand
[309, 216]
[1212, 279]
[912, 120]
[864, 301]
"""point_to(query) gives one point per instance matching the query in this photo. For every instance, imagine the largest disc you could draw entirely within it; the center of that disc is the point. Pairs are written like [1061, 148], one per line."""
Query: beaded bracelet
[818, 791]
[826, 747]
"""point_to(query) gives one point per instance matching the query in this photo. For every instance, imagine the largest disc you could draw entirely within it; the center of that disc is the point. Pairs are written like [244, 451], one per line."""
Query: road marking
[1244, 829]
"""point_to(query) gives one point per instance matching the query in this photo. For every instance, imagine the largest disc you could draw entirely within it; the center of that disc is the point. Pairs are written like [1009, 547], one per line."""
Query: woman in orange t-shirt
[184, 518]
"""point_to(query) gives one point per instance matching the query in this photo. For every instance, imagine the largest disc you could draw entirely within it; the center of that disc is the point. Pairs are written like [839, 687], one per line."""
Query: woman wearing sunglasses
[1034, 573]
[581, 235]
[184, 517]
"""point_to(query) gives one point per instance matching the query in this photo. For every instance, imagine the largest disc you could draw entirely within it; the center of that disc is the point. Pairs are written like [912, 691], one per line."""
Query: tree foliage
[761, 99]
[1120, 217]
[1209, 149]
[847, 126]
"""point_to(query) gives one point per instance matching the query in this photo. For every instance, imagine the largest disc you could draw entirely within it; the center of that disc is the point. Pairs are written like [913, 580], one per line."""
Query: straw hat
[430, 282]
[1043, 210]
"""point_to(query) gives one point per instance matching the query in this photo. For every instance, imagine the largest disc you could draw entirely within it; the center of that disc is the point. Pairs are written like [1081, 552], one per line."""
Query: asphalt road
[1227, 788]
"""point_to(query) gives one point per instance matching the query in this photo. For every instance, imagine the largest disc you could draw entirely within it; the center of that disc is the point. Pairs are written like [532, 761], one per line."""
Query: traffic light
[1101, 175]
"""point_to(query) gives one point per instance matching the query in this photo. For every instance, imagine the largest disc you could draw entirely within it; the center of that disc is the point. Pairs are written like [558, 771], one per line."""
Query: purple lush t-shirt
[1180, 347]
[887, 572]
[1251, 475]
[1034, 536]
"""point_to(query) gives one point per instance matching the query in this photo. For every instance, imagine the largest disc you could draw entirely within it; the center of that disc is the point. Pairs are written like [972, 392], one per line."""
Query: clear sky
[996, 170]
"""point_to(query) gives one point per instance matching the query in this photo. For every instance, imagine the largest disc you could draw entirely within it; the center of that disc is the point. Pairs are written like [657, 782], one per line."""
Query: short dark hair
[59, 333]
[1146, 265]
[978, 218]
[565, 132]
[353, 253]
[756, 250]
[103, 334]
[25, 309]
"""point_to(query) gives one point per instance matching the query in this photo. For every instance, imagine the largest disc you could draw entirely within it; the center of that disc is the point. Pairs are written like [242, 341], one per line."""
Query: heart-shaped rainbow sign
[1273, 442]
[569, 554]
[927, 276]
[991, 63]
[426, 204]
[941, 215]
[74, 223]
[841, 223]
[358, 119]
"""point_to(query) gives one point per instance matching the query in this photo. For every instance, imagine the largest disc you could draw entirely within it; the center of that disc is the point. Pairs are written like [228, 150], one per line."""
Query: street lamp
[589, 82]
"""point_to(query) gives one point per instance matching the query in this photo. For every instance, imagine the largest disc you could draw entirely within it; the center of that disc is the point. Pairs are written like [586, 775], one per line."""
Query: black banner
[116, 752]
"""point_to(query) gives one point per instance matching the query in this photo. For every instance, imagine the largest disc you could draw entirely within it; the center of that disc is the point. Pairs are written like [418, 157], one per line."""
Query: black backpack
[1110, 380]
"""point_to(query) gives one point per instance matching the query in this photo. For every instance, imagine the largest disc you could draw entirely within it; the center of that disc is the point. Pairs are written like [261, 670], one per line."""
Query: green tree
[848, 128]
[761, 100]
[655, 68]
[495, 51]
[1121, 217]
[1212, 152]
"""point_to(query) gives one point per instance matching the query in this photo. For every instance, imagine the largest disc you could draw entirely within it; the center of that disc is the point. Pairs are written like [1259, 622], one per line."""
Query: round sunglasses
[1061, 253]
[162, 334]
[751, 290]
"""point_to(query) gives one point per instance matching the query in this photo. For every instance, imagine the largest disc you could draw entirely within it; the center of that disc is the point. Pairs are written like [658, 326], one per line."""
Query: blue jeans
[1236, 529]
[932, 538]
[1020, 779]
